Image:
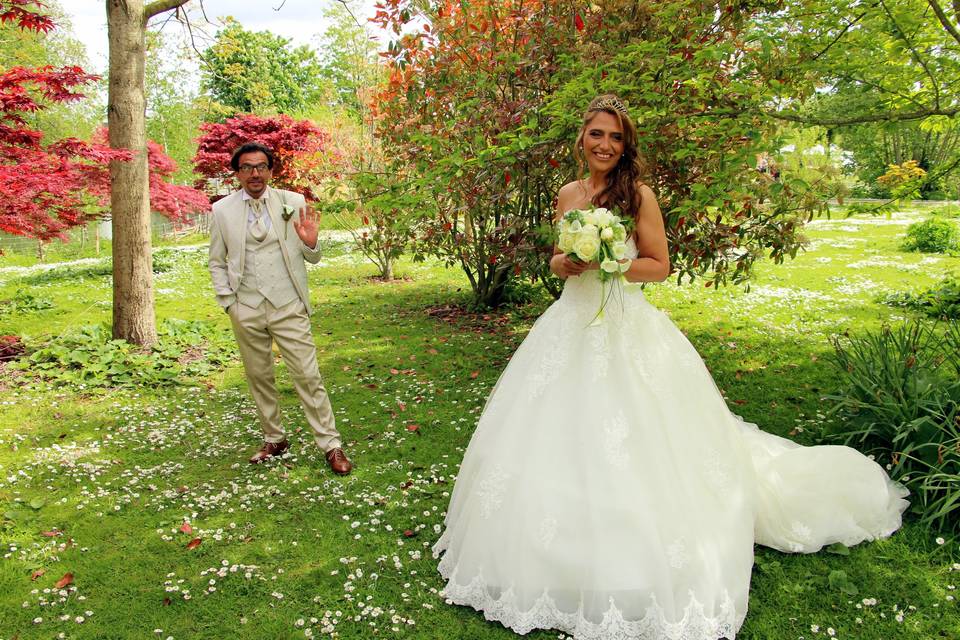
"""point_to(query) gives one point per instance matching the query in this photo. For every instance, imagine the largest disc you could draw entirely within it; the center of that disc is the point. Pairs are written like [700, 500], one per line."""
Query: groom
[260, 278]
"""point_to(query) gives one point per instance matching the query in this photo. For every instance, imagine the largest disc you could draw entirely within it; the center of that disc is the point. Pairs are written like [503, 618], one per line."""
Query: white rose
[586, 247]
[565, 242]
[619, 250]
[590, 217]
[619, 232]
[606, 234]
[575, 226]
[590, 229]
[610, 266]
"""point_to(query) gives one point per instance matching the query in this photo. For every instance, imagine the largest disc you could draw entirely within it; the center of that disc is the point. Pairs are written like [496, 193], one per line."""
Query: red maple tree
[304, 153]
[47, 189]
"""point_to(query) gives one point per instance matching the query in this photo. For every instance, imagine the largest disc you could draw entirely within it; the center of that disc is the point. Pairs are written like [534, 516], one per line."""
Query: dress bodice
[587, 290]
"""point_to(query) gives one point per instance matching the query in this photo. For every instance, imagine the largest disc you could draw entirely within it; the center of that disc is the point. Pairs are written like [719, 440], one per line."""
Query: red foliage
[19, 11]
[174, 201]
[11, 348]
[303, 151]
[41, 188]
[45, 190]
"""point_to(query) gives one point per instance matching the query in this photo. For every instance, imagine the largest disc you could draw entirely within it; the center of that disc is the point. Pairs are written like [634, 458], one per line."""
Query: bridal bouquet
[596, 234]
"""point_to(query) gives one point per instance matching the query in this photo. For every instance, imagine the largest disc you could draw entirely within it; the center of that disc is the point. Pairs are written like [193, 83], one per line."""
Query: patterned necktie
[257, 230]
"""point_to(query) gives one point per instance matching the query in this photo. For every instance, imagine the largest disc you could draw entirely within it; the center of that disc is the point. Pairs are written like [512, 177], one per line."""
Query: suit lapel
[240, 214]
[274, 207]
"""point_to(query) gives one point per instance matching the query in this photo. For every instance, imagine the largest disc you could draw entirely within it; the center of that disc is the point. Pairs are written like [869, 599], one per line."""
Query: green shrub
[942, 300]
[89, 357]
[933, 235]
[900, 400]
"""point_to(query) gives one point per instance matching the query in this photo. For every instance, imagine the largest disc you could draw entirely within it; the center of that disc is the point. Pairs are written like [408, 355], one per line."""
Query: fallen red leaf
[64, 581]
[394, 371]
[409, 533]
[474, 374]
[413, 427]
[578, 22]
[186, 528]
[553, 163]
[193, 544]
[53, 533]
[36, 574]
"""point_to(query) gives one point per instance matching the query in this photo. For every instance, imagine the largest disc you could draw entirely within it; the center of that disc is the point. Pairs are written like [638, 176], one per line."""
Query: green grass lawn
[112, 486]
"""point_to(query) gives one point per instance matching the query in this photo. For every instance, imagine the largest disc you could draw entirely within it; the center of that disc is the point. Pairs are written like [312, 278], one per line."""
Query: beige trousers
[256, 330]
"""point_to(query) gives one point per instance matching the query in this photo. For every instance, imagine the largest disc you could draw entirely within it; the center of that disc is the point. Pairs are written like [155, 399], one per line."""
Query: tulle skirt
[609, 493]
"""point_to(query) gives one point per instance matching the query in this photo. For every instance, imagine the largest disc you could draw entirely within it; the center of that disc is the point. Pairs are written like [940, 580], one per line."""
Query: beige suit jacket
[228, 235]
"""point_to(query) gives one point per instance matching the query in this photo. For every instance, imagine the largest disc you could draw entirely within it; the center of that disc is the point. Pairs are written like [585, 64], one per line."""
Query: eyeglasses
[247, 169]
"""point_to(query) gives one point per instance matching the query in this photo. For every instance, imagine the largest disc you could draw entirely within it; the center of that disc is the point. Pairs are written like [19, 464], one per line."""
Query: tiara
[609, 104]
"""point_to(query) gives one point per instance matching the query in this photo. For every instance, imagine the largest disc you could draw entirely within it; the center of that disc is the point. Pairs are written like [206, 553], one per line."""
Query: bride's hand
[565, 267]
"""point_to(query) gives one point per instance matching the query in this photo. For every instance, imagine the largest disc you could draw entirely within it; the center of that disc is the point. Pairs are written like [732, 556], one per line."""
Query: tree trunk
[386, 272]
[133, 315]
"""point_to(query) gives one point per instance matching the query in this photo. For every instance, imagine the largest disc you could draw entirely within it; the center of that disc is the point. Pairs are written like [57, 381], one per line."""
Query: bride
[607, 491]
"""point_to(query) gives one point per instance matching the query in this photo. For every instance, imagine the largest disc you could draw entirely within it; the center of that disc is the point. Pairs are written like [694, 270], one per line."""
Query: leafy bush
[24, 302]
[939, 301]
[900, 400]
[89, 357]
[933, 235]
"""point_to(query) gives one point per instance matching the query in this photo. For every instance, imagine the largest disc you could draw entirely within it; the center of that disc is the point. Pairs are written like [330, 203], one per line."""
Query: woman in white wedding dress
[608, 492]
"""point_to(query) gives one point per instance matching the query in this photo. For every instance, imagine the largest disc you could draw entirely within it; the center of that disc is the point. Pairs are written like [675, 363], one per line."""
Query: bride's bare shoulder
[570, 195]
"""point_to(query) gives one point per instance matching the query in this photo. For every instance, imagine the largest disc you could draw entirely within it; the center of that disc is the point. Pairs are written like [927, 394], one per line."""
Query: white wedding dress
[609, 493]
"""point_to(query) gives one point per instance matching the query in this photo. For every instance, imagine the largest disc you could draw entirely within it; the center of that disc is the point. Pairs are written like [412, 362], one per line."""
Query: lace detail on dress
[491, 490]
[613, 436]
[802, 534]
[556, 352]
[547, 532]
[677, 554]
[717, 471]
[600, 353]
[544, 614]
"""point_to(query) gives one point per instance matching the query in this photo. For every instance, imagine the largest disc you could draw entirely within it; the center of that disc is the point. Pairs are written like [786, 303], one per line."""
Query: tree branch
[944, 20]
[898, 30]
[876, 117]
[842, 33]
[161, 6]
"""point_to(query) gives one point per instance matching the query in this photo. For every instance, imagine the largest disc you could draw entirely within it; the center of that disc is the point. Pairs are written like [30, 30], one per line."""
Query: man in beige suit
[259, 240]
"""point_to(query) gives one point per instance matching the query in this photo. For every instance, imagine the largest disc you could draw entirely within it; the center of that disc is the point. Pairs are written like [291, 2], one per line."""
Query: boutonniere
[286, 212]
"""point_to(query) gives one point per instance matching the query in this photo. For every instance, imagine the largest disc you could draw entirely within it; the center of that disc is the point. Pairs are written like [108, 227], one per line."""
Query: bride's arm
[561, 265]
[653, 261]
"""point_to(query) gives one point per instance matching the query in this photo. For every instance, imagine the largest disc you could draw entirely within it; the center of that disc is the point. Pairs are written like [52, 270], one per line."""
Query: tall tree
[485, 99]
[259, 72]
[348, 58]
[134, 319]
[173, 112]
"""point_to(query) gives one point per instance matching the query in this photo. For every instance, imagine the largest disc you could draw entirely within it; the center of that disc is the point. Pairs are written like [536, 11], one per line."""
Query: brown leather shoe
[338, 461]
[268, 450]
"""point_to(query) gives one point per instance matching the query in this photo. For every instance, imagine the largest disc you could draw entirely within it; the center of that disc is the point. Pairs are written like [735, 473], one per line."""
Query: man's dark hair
[251, 147]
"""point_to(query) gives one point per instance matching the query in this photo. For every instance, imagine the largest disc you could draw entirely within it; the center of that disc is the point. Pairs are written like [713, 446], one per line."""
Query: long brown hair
[621, 189]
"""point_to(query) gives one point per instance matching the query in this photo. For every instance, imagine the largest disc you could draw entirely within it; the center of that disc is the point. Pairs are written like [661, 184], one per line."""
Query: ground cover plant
[130, 511]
